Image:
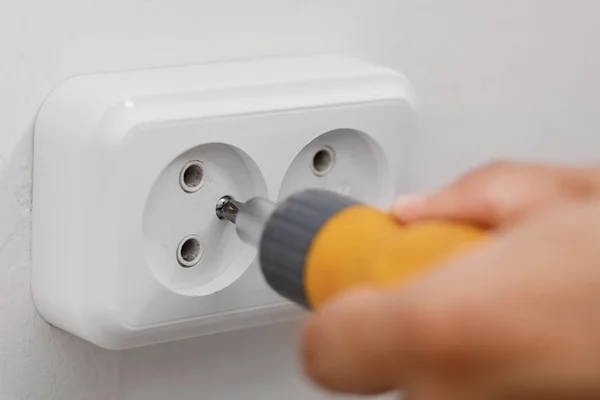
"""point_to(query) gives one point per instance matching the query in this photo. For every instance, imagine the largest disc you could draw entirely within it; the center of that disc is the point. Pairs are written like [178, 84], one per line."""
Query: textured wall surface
[495, 78]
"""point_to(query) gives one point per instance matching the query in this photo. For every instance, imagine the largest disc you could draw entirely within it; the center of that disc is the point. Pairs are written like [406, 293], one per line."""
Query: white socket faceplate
[109, 207]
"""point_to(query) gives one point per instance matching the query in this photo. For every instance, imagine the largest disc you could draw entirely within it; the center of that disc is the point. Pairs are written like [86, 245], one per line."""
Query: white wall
[495, 78]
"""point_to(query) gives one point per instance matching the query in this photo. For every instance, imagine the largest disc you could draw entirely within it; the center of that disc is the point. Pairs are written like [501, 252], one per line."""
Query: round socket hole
[192, 176]
[322, 161]
[189, 251]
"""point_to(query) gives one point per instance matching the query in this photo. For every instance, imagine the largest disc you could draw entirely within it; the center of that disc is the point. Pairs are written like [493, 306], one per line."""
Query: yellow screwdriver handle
[361, 245]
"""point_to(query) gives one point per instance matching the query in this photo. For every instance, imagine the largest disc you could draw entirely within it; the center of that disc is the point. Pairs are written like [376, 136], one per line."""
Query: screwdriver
[316, 244]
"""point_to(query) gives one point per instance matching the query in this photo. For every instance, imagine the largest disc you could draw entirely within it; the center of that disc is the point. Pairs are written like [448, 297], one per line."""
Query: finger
[352, 345]
[451, 204]
[499, 194]
[487, 204]
[371, 342]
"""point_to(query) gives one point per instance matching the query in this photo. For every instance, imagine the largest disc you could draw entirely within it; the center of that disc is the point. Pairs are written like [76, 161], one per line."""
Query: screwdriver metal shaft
[249, 217]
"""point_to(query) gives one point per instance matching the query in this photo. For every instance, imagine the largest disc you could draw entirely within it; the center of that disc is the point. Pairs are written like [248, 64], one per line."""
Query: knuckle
[579, 186]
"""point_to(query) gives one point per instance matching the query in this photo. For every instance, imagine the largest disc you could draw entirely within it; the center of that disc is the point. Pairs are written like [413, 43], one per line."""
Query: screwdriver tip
[227, 209]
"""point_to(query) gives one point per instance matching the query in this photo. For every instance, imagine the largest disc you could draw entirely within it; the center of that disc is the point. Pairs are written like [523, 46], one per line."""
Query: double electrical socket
[128, 168]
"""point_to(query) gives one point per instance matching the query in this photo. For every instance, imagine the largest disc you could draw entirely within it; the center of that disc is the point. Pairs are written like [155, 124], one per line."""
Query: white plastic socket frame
[128, 168]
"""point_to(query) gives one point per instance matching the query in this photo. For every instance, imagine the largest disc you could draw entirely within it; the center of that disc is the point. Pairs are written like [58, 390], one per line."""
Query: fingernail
[406, 203]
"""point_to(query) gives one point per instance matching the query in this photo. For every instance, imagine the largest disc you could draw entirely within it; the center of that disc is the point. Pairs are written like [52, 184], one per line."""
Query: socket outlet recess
[128, 168]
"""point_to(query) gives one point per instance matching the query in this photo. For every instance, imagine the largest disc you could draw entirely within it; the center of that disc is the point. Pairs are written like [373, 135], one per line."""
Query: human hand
[518, 318]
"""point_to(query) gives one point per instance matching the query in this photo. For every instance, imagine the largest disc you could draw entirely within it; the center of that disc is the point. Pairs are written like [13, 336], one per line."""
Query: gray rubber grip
[287, 237]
